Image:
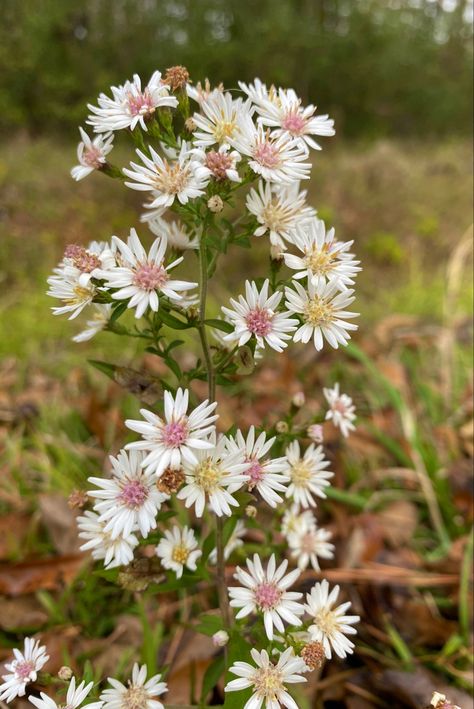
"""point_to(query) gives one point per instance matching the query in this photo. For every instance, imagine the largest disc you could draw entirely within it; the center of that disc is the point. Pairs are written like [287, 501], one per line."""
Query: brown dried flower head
[176, 77]
[170, 481]
[77, 499]
[313, 655]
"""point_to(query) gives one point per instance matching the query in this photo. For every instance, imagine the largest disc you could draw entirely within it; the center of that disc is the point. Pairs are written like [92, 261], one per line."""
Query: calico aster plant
[218, 169]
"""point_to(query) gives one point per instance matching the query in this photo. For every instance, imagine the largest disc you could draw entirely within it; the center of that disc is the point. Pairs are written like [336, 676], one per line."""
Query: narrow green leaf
[219, 325]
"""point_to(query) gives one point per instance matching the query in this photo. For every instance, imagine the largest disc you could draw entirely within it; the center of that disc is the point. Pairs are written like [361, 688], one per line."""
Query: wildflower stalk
[211, 383]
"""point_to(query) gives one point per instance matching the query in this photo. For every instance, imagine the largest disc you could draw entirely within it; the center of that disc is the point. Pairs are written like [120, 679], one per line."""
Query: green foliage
[380, 68]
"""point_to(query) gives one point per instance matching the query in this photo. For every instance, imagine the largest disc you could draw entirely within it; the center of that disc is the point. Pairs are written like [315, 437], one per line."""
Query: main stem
[211, 381]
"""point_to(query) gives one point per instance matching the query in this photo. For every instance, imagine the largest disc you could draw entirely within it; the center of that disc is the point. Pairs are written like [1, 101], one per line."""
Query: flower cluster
[197, 148]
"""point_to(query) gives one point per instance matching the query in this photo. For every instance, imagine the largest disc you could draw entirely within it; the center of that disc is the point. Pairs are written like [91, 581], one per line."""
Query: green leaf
[104, 367]
[219, 325]
[229, 527]
[211, 676]
[117, 312]
[173, 322]
[208, 545]
[209, 624]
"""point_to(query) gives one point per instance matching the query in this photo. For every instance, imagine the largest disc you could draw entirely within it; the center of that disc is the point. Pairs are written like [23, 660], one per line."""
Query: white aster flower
[315, 432]
[258, 91]
[267, 679]
[74, 698]
[219, 120]
[341, 411]
[178, 549]
[129, 499]
[172, 440]
[265, 591]
[322, 309]
[213, 478]
[235, 541]
[183, 178]
[285, 115]
[322, 256]
[308, 474]
[222, 163]
[74, 295]
[140, 276]
[130, 105]
[256, 315]
[177, 236]
[330, 625]
[278, 213]
[267, 476]
[306, 545]
[200, 93]
[276, 159]
[114, 552]
[295, 520]
[91, 154]
[139, 693]
[98, 322]
[23, 669]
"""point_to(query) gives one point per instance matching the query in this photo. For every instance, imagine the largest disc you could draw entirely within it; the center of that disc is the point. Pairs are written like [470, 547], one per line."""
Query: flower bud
[220, 639]
[282, 427]
[65, 673]
[298, 399]
[276, 252]
[251, 511]
[215, 204]
[315, 433]
[77, 499]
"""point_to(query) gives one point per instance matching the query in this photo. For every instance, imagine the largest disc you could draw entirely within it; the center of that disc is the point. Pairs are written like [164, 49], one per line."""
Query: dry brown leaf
[60, 521]
[14, 527]
[23, 612]
[29, 576]
[398, 522]
[415, 689]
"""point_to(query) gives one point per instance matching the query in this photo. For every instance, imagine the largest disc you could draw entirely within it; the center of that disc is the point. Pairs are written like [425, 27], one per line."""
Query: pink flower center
[218, 163]
[24, 668]
[175, 434]
[93, 157]
[267, 154]
[140, 104]
[150, 276]
[267, 595]
[81, 258]
[307, 543]
[294, 124]
[255, 471]
[133, 494]
[259, 321]
[339, 406]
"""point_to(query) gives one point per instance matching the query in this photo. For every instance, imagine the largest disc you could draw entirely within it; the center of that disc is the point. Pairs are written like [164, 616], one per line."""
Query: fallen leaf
[29, 576]
[415, 689]
[23, 612]
[60, 521]
[398, 522]
[14, 527]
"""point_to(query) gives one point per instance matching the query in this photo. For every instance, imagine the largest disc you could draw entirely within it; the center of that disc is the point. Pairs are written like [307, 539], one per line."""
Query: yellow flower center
[223, 130]
[80, 295]
[208, 475]
[319, 311]
[268, 682]
[180, 553]
[135, 697]
[320, 260]
[172, 178]
[300, 473]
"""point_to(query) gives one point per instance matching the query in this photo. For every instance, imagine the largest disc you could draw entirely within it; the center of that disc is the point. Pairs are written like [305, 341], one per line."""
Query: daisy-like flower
[139, 693]
[130, 105]
[278, 213]
[267, 679]
[341, 411]
[173, 440]
[276, 159]
[140, 276]
[182, 178]
[215, 476]
[114, 552]
[258, 92]
[74, 296]
[219, 120]
[91, 154]
[200, 92]
[98, 322]
[306, 545]
[235, 541]
[265, 475]
[322, 257]
[23, 669]
[265, 591]
[330, 625]
[296, 520]
[256, 315]
[74, 698]
[285, 115]
[322, 309]
[308, 474]
[178, 549]
[177, 236]
[222, 163]
[129, 499]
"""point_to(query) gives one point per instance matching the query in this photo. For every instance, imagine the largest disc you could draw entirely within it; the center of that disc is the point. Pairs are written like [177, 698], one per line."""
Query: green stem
[211, 381]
